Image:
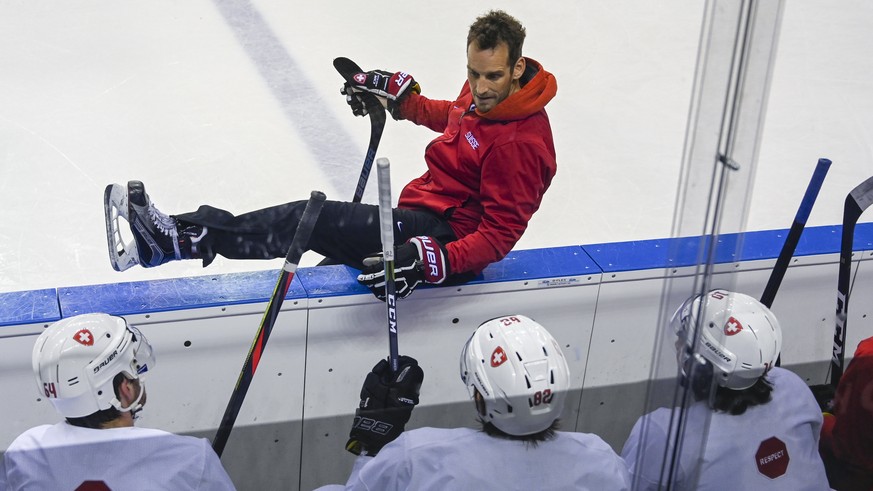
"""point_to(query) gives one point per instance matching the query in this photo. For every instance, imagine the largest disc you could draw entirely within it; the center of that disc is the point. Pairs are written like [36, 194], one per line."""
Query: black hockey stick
[787, 252]
[348, 69]
[386, 224]
[856, 202]
[295, 251]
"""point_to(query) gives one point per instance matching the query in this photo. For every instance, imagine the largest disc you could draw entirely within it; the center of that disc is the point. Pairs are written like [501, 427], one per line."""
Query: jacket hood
[531, 98]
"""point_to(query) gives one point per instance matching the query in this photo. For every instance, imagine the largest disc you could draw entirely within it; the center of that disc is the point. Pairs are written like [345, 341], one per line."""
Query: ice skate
[156, 236]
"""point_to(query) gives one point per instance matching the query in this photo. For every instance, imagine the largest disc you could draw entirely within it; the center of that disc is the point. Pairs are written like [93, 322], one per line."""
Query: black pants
[345, 232]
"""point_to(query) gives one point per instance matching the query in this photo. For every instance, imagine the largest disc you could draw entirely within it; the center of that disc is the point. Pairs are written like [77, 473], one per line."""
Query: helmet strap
[135, 406]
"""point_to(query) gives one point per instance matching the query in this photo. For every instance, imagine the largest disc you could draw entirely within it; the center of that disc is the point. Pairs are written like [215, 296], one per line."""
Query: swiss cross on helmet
[84, 336]
[76, 359]
[732, 326]
[519, 370]
[498, 357]
[739, 336]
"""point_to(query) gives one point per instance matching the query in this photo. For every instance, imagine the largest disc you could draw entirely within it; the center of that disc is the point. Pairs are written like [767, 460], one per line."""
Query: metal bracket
[729, 162]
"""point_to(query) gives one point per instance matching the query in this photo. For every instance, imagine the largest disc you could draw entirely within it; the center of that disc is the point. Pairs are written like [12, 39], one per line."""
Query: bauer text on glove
[421, 258]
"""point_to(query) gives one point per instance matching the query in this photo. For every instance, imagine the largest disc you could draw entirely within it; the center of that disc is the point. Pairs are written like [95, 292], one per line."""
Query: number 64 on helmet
[76, 359]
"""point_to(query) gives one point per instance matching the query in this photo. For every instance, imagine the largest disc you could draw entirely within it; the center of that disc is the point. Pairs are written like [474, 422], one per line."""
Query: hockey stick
[856, 202]
[295, 251]
[778, 273]
[386, 225]
[787, 252]
[347, 68]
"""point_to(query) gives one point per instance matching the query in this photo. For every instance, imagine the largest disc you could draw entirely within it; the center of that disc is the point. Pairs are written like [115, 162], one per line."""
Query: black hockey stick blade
[286, 275]
[858, 200]
[785, 255]
[348, 70]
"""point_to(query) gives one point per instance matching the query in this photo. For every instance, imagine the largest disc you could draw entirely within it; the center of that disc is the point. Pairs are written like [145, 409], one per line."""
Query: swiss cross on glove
[421, 258]
[392, 86]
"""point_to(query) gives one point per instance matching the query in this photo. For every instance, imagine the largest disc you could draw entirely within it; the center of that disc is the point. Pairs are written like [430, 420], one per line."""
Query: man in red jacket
[486, 176]
[847, 433]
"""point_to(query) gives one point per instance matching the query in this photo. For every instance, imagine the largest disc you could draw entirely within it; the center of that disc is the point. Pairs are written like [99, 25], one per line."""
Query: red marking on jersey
[360, 78]
[772, 457]
[732, 326]
[84, 336]
[498, 357]
[93, 486]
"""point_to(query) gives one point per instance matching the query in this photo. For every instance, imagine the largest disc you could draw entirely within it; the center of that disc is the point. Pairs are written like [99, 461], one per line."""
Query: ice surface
[237, 104]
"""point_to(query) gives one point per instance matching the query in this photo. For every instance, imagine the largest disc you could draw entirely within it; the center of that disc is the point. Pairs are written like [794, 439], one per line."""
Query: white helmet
[76, 359]
[740, 336]
[519, 370]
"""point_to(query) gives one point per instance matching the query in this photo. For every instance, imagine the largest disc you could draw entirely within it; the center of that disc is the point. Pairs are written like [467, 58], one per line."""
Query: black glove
[394, 87]
[387, 400]
[420, 259]
[360, 102]
[824, 396]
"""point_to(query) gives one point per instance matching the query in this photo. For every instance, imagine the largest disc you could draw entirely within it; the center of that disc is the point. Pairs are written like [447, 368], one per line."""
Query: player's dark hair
[736, 402]
[731, 401]
[97, 419]
[704, 387]
[531, 440]
[495, 27]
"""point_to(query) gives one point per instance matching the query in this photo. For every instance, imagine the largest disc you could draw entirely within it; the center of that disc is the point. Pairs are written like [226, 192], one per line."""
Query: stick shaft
[377, 125]
[791, 241]
[858, 200]
[386, 226]
[268, 320]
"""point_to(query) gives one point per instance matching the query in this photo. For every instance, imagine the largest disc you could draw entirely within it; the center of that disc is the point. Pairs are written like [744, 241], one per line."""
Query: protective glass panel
[729, 99]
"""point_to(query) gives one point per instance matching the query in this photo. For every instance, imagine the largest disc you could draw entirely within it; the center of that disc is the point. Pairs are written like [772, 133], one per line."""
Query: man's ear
[128, 390]
[518, 69]
[479, 401]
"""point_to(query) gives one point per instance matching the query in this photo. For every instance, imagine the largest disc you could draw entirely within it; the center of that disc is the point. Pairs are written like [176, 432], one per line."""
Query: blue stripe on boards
[48, 305]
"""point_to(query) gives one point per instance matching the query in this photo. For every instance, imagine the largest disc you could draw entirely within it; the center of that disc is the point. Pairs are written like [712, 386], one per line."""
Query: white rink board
[332, 331]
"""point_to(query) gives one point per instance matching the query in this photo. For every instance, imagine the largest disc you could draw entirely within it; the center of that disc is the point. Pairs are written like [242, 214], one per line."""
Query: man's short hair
[495, 27]
[98, 420]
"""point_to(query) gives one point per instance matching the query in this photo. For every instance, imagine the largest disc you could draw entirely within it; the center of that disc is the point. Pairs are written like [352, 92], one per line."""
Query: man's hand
[361, 102]
[391, 88]
[420, 259]
[387, 400]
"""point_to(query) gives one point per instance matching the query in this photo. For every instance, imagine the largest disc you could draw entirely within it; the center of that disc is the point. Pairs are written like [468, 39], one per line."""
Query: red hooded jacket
[487, 172]
[848, 434]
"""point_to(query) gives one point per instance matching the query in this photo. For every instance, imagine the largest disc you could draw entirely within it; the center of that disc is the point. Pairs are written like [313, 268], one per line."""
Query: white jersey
[773, 446]
[63, 456]
[463, 458]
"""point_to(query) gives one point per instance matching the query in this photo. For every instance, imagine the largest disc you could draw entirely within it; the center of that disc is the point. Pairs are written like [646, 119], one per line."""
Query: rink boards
[601, 301]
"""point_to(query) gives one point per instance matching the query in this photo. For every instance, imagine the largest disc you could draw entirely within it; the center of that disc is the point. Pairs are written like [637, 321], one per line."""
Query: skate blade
[122, 255]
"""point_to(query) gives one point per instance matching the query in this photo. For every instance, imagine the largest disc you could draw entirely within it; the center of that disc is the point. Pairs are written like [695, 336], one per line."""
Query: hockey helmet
[740, 337]
[520, 372]
[76, 359]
